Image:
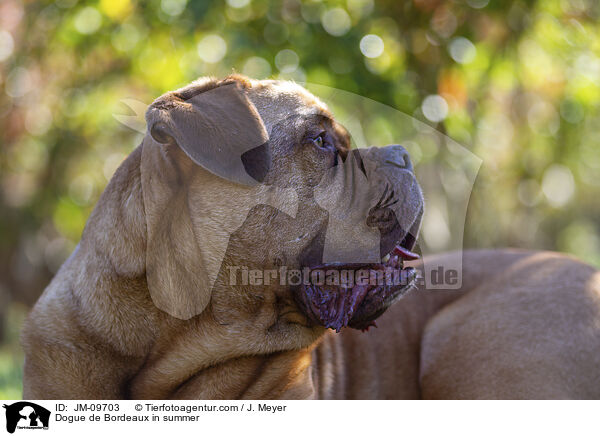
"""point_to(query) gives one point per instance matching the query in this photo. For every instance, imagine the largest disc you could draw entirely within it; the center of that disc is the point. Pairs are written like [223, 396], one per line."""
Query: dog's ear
[219, 129]
[176, 273]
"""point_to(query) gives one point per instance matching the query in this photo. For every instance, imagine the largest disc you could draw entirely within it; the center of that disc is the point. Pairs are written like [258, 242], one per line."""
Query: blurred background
[515, 82]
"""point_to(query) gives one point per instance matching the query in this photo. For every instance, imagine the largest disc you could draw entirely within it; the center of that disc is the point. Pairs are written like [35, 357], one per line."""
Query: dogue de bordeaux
[179, 287]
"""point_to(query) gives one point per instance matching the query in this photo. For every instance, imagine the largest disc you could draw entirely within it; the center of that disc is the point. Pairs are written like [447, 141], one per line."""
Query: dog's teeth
[385, 258]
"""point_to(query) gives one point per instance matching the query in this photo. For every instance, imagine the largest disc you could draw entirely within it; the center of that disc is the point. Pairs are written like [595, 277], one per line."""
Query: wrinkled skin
[326, 219]
[267, 236]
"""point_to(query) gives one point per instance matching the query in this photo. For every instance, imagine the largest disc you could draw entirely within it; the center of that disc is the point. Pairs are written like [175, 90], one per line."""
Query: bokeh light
[287, 61]
[558, 185]
[462, 50]
[336, 21]
[212, 48]
[435, 108]
[371, 46]
[173, 7]
[6, 45]
[88, 20]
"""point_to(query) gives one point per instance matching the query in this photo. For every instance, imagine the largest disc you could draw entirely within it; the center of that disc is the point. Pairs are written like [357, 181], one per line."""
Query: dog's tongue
[405, 253]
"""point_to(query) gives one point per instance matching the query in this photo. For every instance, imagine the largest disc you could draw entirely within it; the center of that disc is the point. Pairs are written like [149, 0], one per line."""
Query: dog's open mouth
[351, 295]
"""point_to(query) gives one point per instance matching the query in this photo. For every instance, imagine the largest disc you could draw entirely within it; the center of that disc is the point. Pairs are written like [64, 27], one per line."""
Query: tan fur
[524, 325]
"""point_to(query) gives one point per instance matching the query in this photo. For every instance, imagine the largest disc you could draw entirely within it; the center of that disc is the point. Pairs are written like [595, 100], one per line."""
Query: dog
[236, 176]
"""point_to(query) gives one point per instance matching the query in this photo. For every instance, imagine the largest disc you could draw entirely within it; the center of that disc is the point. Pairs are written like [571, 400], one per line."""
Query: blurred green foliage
[515, 82]
[11, 355]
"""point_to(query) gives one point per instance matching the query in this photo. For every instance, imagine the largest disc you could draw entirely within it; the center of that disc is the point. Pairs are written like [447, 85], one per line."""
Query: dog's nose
[397, 156]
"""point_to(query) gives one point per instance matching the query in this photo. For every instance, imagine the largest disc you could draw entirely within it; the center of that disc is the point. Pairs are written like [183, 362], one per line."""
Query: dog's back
[524, 325]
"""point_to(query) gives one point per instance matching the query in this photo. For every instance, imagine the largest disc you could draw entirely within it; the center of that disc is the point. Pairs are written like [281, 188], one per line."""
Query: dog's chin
[358, 304]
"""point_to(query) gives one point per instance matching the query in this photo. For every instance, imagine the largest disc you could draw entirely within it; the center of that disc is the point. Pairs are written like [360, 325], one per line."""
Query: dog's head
[248, 183]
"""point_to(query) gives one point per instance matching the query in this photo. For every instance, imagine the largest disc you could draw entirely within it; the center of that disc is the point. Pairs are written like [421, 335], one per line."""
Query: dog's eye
[321, 141]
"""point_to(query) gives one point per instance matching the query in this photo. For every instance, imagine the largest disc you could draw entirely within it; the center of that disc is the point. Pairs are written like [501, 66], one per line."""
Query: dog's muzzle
[375, 207]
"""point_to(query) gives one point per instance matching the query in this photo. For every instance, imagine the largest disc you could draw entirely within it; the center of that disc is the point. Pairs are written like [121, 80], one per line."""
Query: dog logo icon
[26, 415]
